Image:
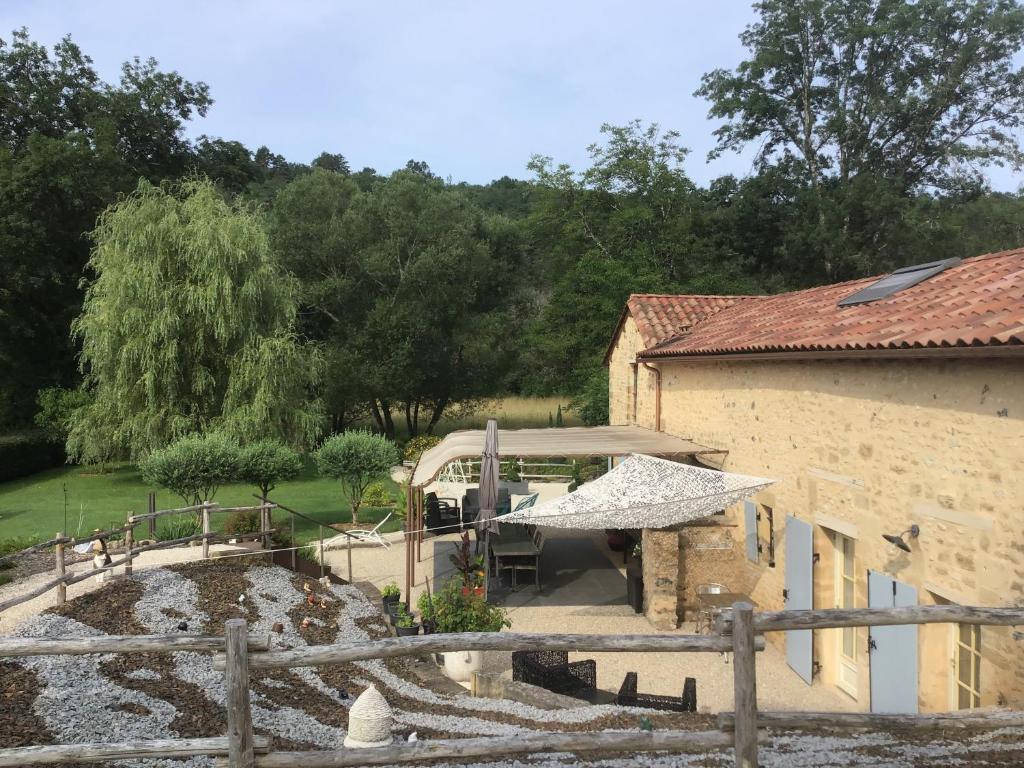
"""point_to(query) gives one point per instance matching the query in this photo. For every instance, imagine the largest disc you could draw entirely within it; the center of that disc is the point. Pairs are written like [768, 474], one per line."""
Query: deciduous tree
[188, 325]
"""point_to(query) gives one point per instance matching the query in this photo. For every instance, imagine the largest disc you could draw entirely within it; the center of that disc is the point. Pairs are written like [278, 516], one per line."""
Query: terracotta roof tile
[979, 302]
[660, 317]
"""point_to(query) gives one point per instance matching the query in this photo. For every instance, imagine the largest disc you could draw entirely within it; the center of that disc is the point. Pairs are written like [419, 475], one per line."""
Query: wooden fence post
[295, 554]
[62, 589]
[236, 685]
[206, 529]
[265, 524]
[744, 685]
[151, 509]
[129, 542]
[321, 551]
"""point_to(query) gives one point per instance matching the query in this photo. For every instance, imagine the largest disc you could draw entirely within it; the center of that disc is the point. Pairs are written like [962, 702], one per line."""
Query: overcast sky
[474, 88]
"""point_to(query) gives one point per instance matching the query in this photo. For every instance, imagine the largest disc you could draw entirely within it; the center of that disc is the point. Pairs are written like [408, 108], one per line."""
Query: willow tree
[188, 325]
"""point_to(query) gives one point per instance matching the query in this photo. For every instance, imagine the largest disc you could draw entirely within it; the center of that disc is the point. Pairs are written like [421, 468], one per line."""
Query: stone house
[880, 406]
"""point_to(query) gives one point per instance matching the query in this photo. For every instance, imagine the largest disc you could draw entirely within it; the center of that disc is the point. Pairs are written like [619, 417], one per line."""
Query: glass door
[844, 598]
[967, 663]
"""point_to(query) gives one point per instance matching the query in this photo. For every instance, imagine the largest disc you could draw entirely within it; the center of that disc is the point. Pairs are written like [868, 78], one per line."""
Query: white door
[846, 637]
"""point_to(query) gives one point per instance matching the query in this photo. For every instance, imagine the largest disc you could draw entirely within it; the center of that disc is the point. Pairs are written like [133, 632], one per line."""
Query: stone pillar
[661, 574]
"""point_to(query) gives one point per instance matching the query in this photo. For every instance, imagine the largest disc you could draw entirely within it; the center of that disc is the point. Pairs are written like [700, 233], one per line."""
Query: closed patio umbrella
[487, 519]
[490, 469]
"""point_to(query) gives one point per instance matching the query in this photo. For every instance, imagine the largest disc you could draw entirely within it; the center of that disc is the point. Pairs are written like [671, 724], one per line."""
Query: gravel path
[81, 698]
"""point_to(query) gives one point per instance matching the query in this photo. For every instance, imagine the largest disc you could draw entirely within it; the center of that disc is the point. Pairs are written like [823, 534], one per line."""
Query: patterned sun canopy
[643, 492]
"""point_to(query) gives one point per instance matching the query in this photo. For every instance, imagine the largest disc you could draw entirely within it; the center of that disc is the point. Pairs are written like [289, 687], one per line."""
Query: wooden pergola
[569, 442]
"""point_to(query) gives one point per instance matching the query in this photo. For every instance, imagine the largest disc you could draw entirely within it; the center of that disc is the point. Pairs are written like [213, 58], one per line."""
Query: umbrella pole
[487, 563]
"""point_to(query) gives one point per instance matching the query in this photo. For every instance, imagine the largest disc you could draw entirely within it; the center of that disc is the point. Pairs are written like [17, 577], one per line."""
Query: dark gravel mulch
[19, 726]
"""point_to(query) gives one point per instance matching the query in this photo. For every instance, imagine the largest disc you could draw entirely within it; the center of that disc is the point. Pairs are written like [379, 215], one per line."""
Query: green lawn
[35, 506]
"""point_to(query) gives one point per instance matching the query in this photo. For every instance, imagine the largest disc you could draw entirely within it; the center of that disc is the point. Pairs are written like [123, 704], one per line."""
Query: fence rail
[242, 749]
[64, 579]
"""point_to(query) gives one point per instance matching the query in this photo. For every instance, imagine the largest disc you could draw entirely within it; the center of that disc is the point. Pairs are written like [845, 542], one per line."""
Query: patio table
[512, 551]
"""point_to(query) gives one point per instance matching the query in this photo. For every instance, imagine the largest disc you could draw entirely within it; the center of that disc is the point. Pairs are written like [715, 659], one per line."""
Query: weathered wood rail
[832, 618]
[524, 743]
[100, 752]
[420, 645]
[743, 729]
[64, 579]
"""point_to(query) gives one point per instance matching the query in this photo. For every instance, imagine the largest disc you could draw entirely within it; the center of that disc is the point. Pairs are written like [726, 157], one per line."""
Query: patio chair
[441, 513]
[628, 696]
[553, 671]
[372, 537]
[530, 562]
[706, 613]
[471, 503]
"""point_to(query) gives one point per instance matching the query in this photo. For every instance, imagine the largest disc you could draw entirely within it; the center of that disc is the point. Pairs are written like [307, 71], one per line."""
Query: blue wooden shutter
[799, 593]
[893, 649]
[750, 517]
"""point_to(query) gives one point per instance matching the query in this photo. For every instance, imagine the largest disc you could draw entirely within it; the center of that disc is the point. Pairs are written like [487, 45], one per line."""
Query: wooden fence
[205, 511]
[737, 631]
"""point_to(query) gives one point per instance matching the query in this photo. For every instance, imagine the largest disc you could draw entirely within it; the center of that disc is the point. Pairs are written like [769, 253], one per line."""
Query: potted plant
[405, 624]
[455, 611]
[389, 595]
[426, 608]
[471, 568]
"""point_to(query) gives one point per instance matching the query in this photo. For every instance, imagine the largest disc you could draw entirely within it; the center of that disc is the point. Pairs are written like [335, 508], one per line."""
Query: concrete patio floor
[584, 591]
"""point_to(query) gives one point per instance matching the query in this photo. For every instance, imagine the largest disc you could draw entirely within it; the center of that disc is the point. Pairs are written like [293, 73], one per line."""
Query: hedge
[25, 453]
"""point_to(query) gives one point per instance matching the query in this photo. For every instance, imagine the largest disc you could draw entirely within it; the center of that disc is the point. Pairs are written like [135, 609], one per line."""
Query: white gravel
[78, 703]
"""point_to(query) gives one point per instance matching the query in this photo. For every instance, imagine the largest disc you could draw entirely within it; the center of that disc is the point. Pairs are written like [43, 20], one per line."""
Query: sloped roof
[660, 317]
[977, 303]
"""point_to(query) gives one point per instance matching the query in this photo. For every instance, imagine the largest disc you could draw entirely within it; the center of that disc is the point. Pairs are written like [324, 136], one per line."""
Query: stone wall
[866, 447]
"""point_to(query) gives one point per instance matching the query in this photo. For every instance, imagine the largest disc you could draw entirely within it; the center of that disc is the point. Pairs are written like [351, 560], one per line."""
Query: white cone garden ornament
[369, 721]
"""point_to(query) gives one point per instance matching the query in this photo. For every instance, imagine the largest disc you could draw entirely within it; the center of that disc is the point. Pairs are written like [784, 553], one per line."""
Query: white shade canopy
[643, 492]
[556, 441]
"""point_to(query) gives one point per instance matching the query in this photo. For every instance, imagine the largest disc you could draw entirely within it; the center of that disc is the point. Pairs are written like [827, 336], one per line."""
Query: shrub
[458, 612]
[265, 463]
[178, 527]
[194, 467]
[25, 453]
[376, 495]
[356, 458]
[391, 590]
[591, 405]
[417, 445]
[425, 604]
[243, 521]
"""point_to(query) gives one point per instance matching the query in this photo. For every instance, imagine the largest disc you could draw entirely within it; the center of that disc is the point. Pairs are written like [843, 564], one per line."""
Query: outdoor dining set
[514, 549]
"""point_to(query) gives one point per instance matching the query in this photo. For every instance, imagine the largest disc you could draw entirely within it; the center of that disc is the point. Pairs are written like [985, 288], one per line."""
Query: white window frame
[973, 685]
[847, 670]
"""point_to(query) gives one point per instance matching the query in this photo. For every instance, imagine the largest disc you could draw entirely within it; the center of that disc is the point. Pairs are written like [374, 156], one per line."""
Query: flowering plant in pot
[389, 595]
[471, 568]
[456, 611]
[405, 624]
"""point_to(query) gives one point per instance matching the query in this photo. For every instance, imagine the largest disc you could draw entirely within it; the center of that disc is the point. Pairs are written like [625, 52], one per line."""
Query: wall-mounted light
[897, 541]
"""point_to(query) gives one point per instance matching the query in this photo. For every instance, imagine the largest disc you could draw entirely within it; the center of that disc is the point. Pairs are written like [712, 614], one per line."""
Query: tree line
[155, 286]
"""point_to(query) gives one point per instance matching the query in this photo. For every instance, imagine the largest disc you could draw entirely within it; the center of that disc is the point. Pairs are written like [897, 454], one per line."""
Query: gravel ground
[63, 699]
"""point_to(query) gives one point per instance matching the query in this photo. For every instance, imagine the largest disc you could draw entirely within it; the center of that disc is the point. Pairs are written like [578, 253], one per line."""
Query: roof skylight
[899, 280]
